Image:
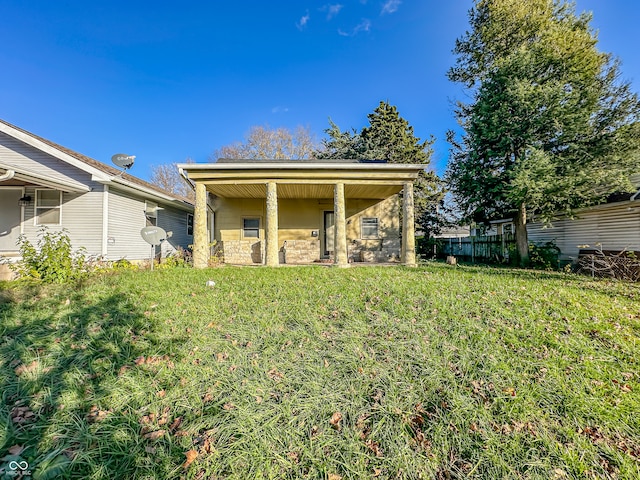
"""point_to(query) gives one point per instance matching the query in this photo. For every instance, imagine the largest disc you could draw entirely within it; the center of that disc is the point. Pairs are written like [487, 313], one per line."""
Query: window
[151, 214]
[189, 224]
[48, 207]
[369, 228]
[251, 228]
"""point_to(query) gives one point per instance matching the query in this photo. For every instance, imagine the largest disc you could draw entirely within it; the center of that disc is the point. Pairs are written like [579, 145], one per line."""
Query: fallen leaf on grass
[274, 374]
[26, 368]
[207, 397]
[164, 418]
[334, 476]
[191, 456]
[335, 420]
[16, 449]
[375, 448]
[154, 435]
[510, 391]
[175, 425]
[22, 415]
[97, 415]
[161, 394]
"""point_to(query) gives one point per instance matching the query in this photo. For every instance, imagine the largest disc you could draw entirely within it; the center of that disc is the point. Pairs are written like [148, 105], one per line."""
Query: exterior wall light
[24, 200]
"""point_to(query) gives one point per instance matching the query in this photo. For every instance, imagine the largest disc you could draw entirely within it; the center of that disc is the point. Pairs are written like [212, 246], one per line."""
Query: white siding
[175, 221]
[126, 219]
[615, 227]
[81, 216]
[15, 153]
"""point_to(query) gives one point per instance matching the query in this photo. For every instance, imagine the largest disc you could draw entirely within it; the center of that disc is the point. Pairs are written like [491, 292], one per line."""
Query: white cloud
[363, 26]
[279, 109]
[332, 10]
[303, 21]
[390, 6]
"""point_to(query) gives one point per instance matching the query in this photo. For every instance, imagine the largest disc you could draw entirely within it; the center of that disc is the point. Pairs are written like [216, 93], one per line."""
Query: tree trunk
[522, 238]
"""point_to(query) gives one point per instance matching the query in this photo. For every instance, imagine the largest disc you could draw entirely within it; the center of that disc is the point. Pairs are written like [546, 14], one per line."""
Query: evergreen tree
[551, 127]
[390, 137]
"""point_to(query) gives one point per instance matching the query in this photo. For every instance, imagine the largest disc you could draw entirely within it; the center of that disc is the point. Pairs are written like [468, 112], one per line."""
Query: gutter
[8, 175]
[123, 184]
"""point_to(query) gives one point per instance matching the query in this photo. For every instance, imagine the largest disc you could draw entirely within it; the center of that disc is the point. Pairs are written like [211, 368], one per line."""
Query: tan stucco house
[303, 211]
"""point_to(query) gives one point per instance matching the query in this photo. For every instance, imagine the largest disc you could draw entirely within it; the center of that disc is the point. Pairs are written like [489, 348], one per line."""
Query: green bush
[545, 256]
[52, 259]
[179, 258]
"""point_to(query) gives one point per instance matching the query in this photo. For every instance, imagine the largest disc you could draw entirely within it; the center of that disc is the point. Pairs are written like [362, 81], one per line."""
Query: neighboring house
[43, 184]
[613, 227]
[301, 211]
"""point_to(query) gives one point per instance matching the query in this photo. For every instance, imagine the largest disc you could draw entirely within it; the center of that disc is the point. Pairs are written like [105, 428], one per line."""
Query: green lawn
[316, 372]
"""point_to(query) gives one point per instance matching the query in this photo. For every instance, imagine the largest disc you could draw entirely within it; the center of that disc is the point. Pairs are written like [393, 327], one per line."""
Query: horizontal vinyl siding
[175, 221]
[126, 219]
[81, 216]
[22, 156]
[615, 227]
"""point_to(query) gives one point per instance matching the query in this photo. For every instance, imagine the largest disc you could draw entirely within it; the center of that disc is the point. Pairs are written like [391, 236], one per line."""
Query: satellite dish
[123, 160]
[153, 235]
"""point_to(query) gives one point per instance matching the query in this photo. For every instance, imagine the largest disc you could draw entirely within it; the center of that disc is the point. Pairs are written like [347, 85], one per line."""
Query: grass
[315, 372]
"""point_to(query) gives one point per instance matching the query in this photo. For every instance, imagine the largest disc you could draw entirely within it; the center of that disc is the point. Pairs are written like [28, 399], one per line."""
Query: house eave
[41, 180]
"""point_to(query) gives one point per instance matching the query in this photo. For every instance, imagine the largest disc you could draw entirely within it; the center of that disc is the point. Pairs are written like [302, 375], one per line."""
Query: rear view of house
[301, 211]
[43, 184]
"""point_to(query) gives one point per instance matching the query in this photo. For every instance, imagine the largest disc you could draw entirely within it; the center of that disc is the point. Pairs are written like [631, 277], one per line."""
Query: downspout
[635, 195]
[8, 175]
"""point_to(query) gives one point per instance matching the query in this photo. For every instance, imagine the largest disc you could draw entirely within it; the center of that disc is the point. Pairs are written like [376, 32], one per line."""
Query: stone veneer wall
[301, 251]
[382, 250]
[242, 252]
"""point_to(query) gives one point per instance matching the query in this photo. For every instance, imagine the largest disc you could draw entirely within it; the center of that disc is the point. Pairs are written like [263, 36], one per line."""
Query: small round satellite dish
[153, 235]
[123, 160]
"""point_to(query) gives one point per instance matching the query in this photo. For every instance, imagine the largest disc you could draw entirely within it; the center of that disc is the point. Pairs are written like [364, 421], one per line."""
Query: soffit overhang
[304, 180]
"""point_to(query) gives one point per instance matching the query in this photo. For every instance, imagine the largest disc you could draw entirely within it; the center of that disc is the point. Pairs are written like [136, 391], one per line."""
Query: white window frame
[259, 219]
[150, 212]
[369, 237]
[36, 215]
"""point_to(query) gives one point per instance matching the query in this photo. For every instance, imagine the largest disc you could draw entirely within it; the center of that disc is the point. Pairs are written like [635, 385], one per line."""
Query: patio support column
[200, 240]
[408, 227]
[271, 230]
[340, 228]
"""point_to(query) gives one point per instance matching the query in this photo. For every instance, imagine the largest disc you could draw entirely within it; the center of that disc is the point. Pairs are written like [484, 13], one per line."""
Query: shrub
[544, 257]
[180, 258]
[51, 259]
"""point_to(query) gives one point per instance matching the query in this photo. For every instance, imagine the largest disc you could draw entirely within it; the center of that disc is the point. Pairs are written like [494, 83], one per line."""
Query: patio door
[328, 233]
[10, 216]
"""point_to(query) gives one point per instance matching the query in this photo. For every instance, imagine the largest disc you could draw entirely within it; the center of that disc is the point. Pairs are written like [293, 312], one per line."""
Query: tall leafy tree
[167, 177]
[551, 126]
[390, 137]
[264, 142]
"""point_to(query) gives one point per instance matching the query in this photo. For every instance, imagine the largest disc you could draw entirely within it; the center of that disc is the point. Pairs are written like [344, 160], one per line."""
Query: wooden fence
[483, 248]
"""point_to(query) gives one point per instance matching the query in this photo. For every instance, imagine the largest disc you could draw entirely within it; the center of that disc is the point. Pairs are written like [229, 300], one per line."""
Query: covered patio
[291, 194]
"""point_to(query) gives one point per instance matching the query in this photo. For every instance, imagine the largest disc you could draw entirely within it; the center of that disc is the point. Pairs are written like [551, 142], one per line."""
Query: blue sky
[169, 80]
